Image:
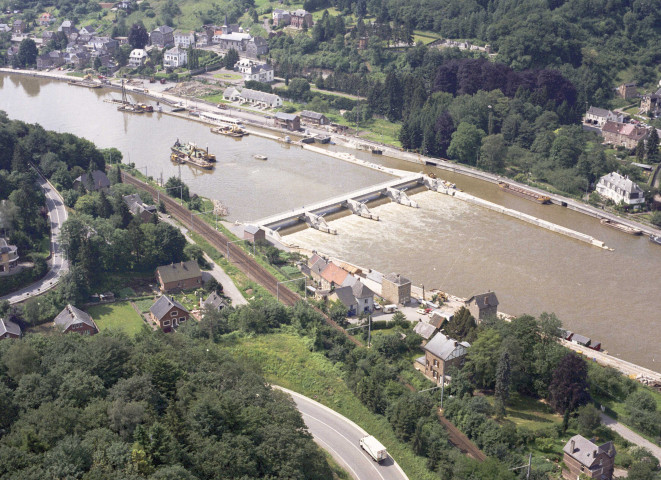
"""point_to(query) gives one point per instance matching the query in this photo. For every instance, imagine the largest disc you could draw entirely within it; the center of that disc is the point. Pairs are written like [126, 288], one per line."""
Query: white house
[184, 39]
[620, 189]
[252, 70]
[599, 116]
[263, 99]
[175, 57]
[137, 57]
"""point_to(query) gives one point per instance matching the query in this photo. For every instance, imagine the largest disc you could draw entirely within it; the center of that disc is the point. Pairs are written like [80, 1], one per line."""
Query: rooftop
[616, 181]
[7, 326]
[163, 305]
[176, 272]
[443, 347]
[397, 279]
[71, 316]
[586, 451]
[484, 300]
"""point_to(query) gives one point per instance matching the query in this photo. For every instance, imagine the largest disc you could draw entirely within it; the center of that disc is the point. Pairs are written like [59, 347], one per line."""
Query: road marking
[351, 442]
[328, 447]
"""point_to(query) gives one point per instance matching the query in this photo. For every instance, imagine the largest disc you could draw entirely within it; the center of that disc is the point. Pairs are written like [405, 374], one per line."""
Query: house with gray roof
[441, 353]
[356, 296]
[253, 233]
[482, 306]
[99, 181]
[74, 320]
[168, 313]
[162, 36]
[620, 188]
[232, 94]
[138, 208]
[179, 276]
[8, 257]
[9, 329]
[579, 339]
[262, 99]
[314, 117]
[214, 302]
[287, 120]
[425, 330]
[599, 116]
[583, 458]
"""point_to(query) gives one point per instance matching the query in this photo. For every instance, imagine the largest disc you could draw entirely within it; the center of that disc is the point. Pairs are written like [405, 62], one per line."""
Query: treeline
[153, 407]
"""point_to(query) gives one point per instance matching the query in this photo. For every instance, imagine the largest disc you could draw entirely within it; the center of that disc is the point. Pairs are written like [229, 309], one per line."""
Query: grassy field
[285, 359]
[117, 316]
[228, 76]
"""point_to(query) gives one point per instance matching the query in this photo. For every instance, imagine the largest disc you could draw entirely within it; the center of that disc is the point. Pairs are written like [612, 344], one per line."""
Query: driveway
[629, 435]
[340, 437]
[57, 215]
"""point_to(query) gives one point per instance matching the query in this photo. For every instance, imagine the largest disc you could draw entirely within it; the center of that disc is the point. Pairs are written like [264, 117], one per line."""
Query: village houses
[357, 297]
[297, 18]
[9, 329]
[214, 302]
[8, 257]
[314, 118]
[254, 97]
[98, 181]
[184, 39]
[482, 306]
[162, 37]
[623, 134]
[584, 459]
[441, 353]
[168, 313]
[138, 208]
[179, 276]
[288, 121]
[396, 289]
[74, 320]
[252, 70]
[599, 116]
[137, 57]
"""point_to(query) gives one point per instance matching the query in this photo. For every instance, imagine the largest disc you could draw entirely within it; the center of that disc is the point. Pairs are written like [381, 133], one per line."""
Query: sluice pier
[354, 201]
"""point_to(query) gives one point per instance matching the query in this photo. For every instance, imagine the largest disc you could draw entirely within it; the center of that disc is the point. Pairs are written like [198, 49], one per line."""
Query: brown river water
[446, 243]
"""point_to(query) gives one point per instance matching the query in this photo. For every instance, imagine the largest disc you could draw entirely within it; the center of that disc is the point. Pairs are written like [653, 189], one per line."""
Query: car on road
[421, 311]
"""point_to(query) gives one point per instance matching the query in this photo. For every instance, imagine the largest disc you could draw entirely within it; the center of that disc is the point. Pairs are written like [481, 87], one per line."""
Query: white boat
[260, 157]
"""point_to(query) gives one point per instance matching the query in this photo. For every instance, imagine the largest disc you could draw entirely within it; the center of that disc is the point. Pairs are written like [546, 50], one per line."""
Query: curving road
[57, 215]
[340, 437]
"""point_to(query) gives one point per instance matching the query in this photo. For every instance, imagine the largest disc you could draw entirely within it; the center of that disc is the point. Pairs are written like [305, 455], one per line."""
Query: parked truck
[372, 446]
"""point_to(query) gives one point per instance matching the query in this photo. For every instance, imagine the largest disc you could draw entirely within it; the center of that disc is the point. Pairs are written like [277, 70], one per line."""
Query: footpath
[629, 435]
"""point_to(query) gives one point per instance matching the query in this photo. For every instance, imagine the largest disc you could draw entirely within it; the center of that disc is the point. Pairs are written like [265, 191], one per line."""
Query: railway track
[237, 256]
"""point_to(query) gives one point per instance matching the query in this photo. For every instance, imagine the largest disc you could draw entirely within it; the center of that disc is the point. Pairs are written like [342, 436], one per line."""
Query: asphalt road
[630, 435]
[340, 437]
[57, 215]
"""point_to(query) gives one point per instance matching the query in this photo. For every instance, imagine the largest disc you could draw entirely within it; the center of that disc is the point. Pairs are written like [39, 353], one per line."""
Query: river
[446, 243]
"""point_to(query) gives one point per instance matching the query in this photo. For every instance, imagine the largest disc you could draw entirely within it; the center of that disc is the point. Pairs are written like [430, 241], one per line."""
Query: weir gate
[355, 201]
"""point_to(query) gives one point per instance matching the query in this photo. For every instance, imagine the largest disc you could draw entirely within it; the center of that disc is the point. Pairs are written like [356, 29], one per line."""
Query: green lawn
[117, 316]
[531, 413]
[228, 76]
[285, 359]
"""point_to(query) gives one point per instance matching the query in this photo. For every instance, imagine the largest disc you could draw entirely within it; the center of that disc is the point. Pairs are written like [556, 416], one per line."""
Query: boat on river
[84, 83]
[522, 192]
[655, 239]
[192, 154]
[621, 227]
[126, 106]
[260, 157]
[229, 130]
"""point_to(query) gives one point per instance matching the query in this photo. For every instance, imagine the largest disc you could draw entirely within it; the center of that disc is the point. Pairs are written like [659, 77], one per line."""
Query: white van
[389, 308]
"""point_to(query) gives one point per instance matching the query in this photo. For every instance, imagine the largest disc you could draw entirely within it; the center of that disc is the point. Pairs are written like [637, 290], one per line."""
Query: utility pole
[527, 466]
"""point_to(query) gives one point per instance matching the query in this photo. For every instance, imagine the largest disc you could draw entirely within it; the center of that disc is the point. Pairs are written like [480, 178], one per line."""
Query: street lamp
[277, 286]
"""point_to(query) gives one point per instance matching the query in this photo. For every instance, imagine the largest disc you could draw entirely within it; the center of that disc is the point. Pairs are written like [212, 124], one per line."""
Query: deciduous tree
[569, 386]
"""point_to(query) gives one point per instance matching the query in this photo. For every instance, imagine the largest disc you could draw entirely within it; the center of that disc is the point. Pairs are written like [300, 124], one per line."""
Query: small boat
[145, 108]
[260, 157]
[377, 151]
[522, 192]
[131, 108]
[655, 239]
[192, 154]
[621, 227]
[230, 131]
[178, 107]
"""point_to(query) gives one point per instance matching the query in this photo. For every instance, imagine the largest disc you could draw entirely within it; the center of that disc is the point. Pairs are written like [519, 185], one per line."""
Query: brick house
[396, 289]
[300, 18]
[253, 233]
[582, 457]
[650, 103]
[441, 353]
[179, 276]
[281, 17]
[168, 313]
[9, 329]
[333, 276]
[74, 320]
[18, 27]
[623, 134]
[257, 46]
[288, 120]
[482, 306]
[314, 118]
[627, 91]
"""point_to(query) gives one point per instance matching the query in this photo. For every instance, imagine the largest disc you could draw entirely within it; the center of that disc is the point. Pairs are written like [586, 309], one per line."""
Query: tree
[503, 380]
[482, 358]
[298, 88]
[640, 150]
[138, 36]
[393, 97]
[465, 143]
[176, 188]
[27, 52]
[493, 153]
[588, 420]
[462, 326]
[569, 385]
[652, 144]
[230, 59]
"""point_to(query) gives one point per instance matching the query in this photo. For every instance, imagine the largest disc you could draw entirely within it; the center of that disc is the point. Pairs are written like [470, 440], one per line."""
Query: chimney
[572, 445]
[594, 454]
[455, 343]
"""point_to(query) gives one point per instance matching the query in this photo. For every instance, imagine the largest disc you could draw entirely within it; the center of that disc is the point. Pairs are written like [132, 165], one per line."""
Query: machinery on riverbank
[192, 154]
